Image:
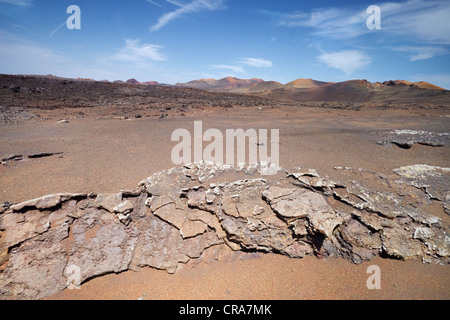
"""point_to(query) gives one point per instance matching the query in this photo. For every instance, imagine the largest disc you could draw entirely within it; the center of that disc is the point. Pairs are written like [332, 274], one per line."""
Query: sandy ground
[272, 277]
[103, 154]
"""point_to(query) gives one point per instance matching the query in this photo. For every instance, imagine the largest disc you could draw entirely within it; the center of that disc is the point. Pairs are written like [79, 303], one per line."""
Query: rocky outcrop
[406, 138]
[196, 212]
[20, 157]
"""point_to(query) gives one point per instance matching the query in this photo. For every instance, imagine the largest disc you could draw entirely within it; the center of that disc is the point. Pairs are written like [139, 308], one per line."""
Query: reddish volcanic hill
[228, 83]
[421, 84]
[263, 86]
[363, 91]
[353, 90]
[312, 90]
[150, 83]
[132, 81]
[304, 83]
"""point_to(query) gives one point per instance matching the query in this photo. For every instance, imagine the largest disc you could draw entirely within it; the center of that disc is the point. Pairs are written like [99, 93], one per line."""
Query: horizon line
[227, 77]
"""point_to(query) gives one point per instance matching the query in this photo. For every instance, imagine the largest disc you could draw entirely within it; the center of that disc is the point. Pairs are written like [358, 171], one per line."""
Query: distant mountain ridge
[228, 83]
[361, 91]
[304, 90]
[314, 90]
[259, 85]
[253, 84]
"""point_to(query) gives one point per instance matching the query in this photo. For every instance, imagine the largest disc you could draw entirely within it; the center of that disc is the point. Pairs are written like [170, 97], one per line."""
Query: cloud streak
[239, 67]
[154, 3]
[422, 53]
[347, 61]
[418, 21]
[21, 3]
[234, 69]
[134, 51]
[257, 62]
[329, 22]
[185, 8]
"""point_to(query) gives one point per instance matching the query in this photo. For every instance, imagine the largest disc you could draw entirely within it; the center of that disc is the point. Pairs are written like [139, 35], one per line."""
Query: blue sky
[172, 41]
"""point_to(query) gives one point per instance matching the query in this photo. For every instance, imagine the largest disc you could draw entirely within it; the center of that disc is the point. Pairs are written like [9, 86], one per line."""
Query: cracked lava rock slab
[181, 215]
[406, 138]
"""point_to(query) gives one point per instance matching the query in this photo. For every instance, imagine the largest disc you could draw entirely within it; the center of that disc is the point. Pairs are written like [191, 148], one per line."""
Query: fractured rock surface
[200, 211]
[406, 138]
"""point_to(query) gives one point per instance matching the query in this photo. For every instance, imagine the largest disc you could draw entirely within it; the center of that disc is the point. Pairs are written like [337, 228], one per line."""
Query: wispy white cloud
[134, 51]
[331, 22]
[22, 3]
[238, 69]
[422, 53]
[419, 21]
[22, 56]
[154, 3]
[184, 8]
[347, 61]
[257, 62]
[234, 69]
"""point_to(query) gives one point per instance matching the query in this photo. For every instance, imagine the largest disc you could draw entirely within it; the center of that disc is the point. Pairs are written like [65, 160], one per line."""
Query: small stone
[258, 210]
[44, 228]
[108, 201]
[193, 228]
[300, 227]
[124, 207]
[124, 218]
[423, 233]
[399, 243]
[298, 250]
[210, 197]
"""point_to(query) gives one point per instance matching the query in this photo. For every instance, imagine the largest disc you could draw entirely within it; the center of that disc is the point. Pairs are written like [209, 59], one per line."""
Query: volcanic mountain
[304, 83]
[313, 90]
[300, 90]
[421, 84]
[269, 86]
[362, 91]
[263, 86]
[228, 83]
[132, 81]
[146, 83]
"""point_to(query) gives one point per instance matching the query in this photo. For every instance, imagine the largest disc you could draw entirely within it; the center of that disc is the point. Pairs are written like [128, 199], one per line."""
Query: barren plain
[113, 143]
